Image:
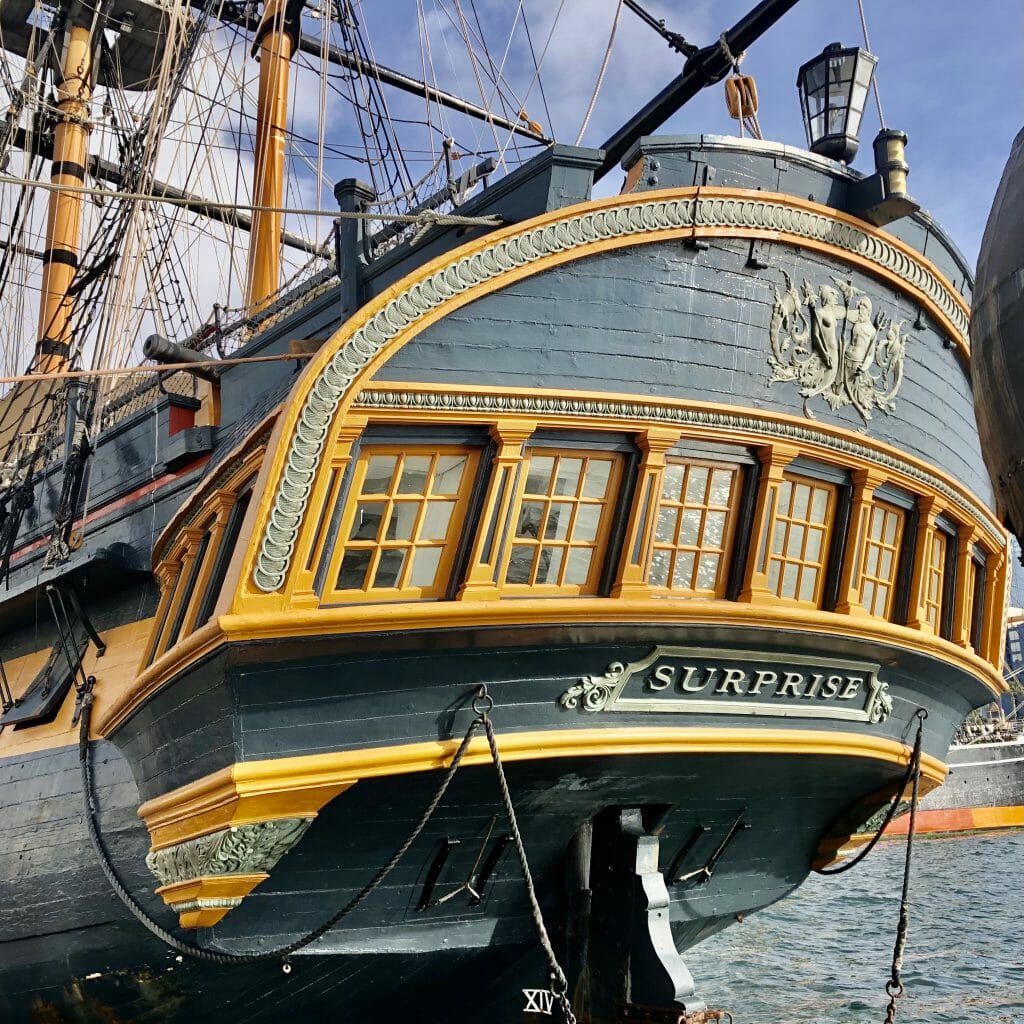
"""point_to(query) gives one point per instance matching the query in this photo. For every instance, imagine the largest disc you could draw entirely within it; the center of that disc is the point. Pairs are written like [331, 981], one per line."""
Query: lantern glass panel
[833, 90]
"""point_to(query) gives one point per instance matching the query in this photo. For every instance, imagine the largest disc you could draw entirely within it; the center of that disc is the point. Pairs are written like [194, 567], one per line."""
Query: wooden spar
[60, 256]
[276, 45]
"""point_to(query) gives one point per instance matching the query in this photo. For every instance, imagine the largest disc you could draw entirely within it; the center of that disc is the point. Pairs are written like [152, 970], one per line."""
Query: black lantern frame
[833, 91]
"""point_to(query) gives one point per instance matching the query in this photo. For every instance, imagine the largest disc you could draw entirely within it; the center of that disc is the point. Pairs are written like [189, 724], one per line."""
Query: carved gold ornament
[829, 341]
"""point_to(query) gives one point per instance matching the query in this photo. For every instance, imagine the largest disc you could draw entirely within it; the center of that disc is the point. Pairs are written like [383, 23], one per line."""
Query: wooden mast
[70, 146]
[275, 43]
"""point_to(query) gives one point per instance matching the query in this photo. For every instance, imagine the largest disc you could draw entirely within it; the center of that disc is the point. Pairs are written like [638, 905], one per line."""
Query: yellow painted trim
[251, 461]
[411, 546]
[576, 611]
[771, 433]
[208, 887]
[282, 787]
[568, 611]
[287, 424]
[116, 672]
[998, 817]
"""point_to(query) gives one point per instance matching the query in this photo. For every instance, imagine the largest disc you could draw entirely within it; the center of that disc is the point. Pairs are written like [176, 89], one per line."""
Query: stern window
[976, 580]
[402, 528]
[934, 578]
[801, 529]
[562, 521]
[880, 560]
[693, 528]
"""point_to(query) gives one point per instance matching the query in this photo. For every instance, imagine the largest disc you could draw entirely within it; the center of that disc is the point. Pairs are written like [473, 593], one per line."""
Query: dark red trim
[103, 510]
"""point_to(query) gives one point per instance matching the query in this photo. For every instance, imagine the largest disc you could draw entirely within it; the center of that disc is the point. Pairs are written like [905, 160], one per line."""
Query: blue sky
[949, 73]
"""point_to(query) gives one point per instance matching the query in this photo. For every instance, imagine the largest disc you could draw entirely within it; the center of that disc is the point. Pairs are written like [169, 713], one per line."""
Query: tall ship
[456, 589]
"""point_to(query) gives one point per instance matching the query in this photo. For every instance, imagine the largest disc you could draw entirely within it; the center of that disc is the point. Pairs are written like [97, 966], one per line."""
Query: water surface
[822, 956]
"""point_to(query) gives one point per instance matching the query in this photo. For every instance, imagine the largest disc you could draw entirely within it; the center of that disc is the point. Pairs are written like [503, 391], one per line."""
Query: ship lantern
[833, 90]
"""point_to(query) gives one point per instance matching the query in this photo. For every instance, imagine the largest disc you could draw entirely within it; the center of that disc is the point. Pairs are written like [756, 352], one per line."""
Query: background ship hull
[984, 790]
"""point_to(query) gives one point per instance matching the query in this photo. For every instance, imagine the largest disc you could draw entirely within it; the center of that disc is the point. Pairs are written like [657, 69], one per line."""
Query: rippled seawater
[822, 956]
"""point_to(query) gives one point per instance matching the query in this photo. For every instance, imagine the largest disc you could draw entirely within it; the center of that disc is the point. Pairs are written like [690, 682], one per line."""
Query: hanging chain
[894, 986]
[483, 704]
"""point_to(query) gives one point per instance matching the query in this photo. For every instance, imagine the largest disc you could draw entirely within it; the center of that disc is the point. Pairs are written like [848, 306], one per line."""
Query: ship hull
[712, 591]
[94, 957]
[984, 791]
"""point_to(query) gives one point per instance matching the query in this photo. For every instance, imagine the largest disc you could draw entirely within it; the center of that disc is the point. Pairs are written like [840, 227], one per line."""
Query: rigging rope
[536, 74]
[559, 982]
[404, 218]
[85, 702]
[482, 705]
[740, 91]
[894, 986]
[913, 771]
[601, 73]
[119, 371]
[874, 77]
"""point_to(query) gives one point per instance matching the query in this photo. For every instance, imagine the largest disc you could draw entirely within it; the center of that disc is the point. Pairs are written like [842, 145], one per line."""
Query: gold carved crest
[830, 343]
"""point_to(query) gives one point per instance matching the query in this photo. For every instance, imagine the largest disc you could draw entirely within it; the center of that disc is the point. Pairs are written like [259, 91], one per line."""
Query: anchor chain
[894, 986]
[482, 705]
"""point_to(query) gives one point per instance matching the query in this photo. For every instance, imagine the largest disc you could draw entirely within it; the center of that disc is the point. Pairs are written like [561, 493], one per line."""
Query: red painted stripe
[113, 506]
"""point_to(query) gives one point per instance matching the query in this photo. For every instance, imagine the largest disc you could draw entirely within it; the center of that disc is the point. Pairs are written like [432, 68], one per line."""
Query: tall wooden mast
[70, 144]
[275, 44]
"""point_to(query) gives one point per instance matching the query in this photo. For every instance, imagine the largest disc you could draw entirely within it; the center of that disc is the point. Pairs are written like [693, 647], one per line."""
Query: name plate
[698, 680]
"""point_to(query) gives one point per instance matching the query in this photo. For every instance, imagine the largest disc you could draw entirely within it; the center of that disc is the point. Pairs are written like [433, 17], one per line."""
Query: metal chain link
[912, 766]
[483, 704]
[212, 955]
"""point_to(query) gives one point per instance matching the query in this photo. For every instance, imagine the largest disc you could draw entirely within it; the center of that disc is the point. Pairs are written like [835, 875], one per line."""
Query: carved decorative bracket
[203, 878]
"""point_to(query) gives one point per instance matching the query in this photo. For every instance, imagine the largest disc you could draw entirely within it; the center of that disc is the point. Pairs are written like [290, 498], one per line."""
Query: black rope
[85, 699]
[559, 983]
[894, 986]
[913, 772]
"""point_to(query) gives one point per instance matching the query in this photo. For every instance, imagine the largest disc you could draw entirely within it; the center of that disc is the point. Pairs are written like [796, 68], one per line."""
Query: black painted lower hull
[456, 959]
[734, 830]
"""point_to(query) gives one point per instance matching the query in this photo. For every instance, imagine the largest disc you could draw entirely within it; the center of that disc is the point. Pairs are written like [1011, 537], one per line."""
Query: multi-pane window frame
[402, 441]
[836, 482]
[742, 466]
[228, 533]
[179, 575]
[902, 503]
[946, 529]
[192, 563]
[976, 585]
[617, 449]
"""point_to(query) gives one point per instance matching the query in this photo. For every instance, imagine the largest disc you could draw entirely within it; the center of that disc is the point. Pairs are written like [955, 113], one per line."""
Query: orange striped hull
[959, 819]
